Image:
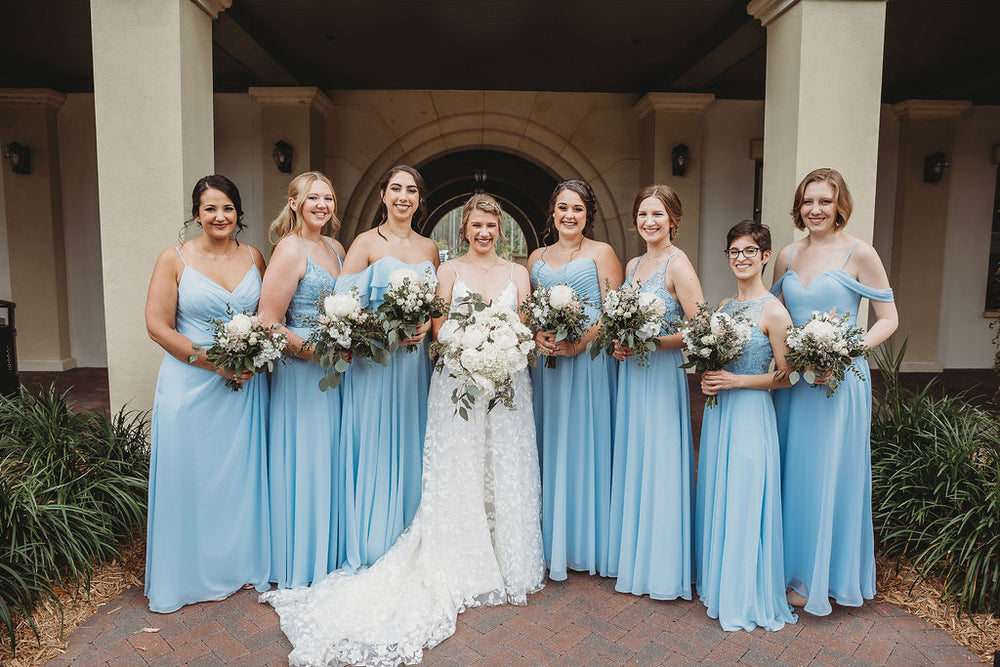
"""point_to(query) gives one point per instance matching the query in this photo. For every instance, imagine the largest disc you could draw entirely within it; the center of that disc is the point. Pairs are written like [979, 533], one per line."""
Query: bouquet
[632, 318]
[826, 344]
[713, 339]
[409, 302]
[243, 343]
[482, 346]
[559, 310]
[341, 328]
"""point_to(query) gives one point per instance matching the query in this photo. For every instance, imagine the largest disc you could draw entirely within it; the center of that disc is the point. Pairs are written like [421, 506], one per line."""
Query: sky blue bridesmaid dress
[304, 453]
[383, 420]
[574, 426]
[738, 533]
[650, 548]
[207, 527]
[826, 459]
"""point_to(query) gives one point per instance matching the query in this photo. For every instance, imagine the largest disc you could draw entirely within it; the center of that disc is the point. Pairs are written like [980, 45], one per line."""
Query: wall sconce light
[19, 158]
[680, 157]
[283, 153]
[934, 166]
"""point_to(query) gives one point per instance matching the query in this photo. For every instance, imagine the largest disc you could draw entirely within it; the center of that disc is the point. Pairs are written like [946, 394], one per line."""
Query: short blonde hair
[841, 195]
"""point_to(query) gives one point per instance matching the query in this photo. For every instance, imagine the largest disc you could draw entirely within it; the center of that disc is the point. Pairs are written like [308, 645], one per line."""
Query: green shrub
[72, 487]
[935, 491]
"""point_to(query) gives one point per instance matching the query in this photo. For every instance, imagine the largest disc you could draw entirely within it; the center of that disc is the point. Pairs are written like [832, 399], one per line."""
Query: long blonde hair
[287, 223]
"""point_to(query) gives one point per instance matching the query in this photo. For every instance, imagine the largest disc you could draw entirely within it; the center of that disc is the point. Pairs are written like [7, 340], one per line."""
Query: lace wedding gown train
[475, 540]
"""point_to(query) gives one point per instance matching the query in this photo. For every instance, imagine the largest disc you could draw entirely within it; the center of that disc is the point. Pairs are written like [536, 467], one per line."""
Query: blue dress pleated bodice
[383, 422]
[826, 459]
[304, 453]
[738, 535]
[650, 548]
[574, 426]
[207, 525]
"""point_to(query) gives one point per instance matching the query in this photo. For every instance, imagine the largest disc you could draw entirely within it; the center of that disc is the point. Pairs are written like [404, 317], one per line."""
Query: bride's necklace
[484, 270]
[385, 225]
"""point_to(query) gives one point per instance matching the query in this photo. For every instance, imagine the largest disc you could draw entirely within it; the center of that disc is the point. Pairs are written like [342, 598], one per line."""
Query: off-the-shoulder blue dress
[826, 459]
[574, 426]
[383, 419]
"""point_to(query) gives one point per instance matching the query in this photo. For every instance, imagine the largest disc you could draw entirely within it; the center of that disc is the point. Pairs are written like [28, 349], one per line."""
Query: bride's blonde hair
[287, 222]
[486, 204]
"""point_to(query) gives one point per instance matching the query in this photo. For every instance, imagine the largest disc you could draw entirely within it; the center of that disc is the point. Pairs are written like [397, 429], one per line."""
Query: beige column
[920, 227]
[668, 120]
[153, 104]
[821, 105]
[295, 115]
[35, 244]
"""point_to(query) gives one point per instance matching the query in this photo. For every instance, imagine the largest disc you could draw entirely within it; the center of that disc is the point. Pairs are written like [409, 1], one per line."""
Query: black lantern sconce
[934, 166]
[18, 157]
[680, 158]
[283, 153]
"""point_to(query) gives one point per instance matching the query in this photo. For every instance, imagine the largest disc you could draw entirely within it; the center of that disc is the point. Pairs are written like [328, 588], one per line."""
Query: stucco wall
[238, 157]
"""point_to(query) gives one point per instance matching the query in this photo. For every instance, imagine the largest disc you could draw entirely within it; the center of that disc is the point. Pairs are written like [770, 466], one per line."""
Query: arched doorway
[522, 188]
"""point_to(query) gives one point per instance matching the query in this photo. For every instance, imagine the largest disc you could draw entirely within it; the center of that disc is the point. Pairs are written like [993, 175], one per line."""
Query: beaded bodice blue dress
[738, 536]
[383, 421]
[650, 547]
[574, 403]
[207, 522]
[826, 459]
[304, 452]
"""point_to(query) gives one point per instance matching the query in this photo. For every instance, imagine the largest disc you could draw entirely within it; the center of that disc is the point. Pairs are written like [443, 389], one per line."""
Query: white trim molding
[308, 96]
[24, 97]
[930, 109]
[674, 102]
[213, 7]
[46, 365]
[766, 11]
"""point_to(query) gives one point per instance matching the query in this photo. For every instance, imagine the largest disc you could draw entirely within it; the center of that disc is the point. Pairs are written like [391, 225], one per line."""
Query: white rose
[822, 330]
[474, 336]
[448, 332]
[708, 340]
[341, 305]
[649, 329]
[505, 339]
[561, 296]
[397, 277]
[706, 352]
[239, 325]
[653, 304]
[526, 346]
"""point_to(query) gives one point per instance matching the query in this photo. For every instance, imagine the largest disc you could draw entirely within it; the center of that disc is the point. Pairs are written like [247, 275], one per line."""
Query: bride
[476, 538]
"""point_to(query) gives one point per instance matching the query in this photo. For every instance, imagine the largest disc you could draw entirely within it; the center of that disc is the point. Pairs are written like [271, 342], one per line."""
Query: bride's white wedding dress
[475, 540]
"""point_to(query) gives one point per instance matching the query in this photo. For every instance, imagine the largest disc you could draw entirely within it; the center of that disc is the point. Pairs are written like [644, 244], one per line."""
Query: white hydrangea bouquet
[558, 310]
[633, 318]
[482, 346]
[409, 302]
[244, 342]
[825, 345]
[342, 328]
[712, 340]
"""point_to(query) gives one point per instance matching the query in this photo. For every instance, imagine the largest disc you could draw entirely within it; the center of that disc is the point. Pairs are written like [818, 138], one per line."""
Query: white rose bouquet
[713, 339]
[559, 310]
[243, 343]
[632, 318]
[409, 302]
[825, 345]
[482, 346]
[341, 328]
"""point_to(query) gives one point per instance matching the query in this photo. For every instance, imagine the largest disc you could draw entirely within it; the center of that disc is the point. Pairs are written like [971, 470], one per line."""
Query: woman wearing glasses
[826, 451]
[650, 538]
[738, 506]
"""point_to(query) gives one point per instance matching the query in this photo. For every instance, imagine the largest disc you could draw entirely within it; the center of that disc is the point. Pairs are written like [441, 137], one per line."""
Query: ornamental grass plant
[72, 488]
[935, 490]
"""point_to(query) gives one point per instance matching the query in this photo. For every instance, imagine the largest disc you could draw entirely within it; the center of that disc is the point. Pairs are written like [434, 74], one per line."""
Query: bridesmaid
[207, 528]
[738, 508]
[650, 547]
[303, 445]
[574, 401]
[385, 407]
[826, 450]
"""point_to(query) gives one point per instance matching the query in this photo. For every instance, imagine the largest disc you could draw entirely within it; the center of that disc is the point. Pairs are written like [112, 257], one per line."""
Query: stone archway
[522, 187]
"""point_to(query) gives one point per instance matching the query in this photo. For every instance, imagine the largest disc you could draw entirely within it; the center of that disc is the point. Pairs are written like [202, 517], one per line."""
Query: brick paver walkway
[581, 621]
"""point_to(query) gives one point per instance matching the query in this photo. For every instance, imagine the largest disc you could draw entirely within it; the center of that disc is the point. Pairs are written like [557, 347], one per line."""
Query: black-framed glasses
[749, 252]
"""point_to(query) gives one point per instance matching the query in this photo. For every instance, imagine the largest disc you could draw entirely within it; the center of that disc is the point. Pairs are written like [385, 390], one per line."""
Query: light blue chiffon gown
[207, 523]
[383, 420]
[304, 453]
[650, 548]
[574, 426]
[738, 538]
[826, 459]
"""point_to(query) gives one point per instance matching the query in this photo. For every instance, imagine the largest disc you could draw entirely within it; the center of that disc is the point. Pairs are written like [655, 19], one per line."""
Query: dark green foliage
[72, 487]
[936, 497]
